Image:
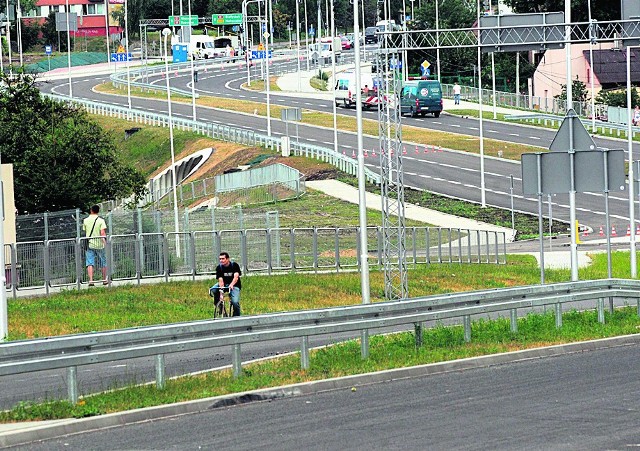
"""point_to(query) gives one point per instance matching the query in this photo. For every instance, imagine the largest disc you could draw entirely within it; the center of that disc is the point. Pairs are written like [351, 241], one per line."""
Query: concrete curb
[25, 433]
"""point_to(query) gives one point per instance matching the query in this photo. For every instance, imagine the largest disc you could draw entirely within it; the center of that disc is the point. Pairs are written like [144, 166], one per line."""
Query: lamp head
[166, 31]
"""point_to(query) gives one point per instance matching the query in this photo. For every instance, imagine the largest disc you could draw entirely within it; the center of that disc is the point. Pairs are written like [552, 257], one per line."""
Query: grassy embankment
[104, 309]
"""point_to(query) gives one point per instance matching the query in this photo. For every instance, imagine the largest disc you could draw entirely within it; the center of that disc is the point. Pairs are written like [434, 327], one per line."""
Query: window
[93, 9]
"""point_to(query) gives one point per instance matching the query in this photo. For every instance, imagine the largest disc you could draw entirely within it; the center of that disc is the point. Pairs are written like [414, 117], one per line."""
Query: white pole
[306, 32]
[193, 84]
[166, 32]
[4, 318]
[632, 240]
[126, 38]
[493, 83]
[438, 37]
[69, 47]
[8, 35]
[483, 199]
[19, 30]
[572, 192]
[298, 43]
[106, 30]
[268, 80]
[333, 79]
[517, 79]
[362, 204]
[591, 74]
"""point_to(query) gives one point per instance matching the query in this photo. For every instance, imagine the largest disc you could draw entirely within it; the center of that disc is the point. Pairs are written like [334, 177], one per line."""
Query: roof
[610, 65]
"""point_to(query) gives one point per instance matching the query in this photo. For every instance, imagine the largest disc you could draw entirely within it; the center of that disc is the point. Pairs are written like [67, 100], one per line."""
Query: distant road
[582, 401]
[448, 173]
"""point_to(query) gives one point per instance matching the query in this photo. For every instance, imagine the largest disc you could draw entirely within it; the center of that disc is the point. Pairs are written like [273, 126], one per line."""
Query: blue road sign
[312, 32]
[425, 71]
[235, 28]
[47, 50]
[120, 57]
[260, 54]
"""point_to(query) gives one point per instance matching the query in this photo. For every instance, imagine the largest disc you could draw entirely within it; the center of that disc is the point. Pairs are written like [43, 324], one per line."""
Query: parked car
[346, 43]
[421, 97]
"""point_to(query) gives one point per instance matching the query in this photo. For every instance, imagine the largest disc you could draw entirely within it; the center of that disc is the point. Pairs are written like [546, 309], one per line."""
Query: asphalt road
[449, 173]
[582, 401]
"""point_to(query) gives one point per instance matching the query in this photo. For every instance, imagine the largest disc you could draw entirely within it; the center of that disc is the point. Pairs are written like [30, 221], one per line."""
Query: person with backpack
[95, 229]
[228, 274]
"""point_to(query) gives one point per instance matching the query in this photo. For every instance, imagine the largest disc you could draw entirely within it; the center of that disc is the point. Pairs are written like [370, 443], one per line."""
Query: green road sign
[179, 21]
[226, 19]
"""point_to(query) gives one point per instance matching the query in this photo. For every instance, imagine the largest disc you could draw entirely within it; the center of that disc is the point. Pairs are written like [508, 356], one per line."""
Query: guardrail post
[364, 344]
[513, 316]
[304, 353]
[558, 315]
[236, 361]
[418, 333]
[466, 320]
[72, 384]
[601, 310]
[160, 373]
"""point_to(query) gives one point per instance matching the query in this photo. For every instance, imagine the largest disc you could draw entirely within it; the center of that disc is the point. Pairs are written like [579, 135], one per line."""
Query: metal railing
[610, 128]
[72, 351]
[42, 265]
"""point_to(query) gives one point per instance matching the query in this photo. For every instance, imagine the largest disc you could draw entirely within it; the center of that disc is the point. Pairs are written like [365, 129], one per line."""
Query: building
[92, 15]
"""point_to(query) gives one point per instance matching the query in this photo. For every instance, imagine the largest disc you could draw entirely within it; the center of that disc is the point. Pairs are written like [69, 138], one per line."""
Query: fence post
[558, 315]
[47, 269]
[237, 361]
[467, 328]
[160, 372]
[77, 223]
[513, 315]
[304, 353]
[72, 384]
[46, 226]
[601, 310]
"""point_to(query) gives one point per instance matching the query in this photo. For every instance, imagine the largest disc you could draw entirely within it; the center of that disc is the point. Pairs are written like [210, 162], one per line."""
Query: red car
[346, 44]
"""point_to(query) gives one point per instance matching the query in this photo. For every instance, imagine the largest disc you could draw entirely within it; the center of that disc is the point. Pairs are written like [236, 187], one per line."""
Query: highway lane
[454, 174]
[581, 401]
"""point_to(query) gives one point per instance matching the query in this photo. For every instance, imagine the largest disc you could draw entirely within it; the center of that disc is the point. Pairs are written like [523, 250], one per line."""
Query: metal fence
[68, 223]
[164, 255]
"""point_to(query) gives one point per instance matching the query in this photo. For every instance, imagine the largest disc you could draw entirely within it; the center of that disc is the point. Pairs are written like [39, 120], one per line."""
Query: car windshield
[208, 45]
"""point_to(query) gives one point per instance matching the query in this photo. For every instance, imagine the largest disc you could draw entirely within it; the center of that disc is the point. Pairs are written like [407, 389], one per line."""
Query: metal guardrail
[84, 349]
[555, 121]
[132, 257]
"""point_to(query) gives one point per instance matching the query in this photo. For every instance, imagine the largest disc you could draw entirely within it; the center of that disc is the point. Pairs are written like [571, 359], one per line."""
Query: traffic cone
[353, 154]
[613, 231]
[628, 230]
[638, 230]
[585, 232]
[417, 150]
[404, 150]
[366, 153]
[373, 152]
[344, 152]
[439, 149]
[602, 231]
[426, 149]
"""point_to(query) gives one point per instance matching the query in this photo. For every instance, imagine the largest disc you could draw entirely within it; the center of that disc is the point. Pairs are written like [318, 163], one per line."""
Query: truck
[223, 45]
[345, 90]
[322, 50]
[201, 47]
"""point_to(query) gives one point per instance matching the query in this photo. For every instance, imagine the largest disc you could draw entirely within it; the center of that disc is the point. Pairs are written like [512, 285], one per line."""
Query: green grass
[440, 344]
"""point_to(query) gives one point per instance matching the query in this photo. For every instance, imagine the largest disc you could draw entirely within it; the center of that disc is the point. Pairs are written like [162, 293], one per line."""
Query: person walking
[635, 120]
[228, 274]
[95, 229]
[456, 93]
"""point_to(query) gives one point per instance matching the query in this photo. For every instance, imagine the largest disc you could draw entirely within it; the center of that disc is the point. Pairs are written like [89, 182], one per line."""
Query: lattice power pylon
[392, 182]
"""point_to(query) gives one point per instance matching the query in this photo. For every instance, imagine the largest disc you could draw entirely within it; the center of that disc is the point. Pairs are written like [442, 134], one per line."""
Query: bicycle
[220, 307]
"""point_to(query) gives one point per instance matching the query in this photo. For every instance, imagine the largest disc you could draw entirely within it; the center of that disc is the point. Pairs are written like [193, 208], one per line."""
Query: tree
[618, 98]
[578, 92]
[62, 159]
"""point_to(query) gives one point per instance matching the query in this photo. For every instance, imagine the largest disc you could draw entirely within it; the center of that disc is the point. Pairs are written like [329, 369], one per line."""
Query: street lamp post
[126, 39]
[268, 7]
[298, 42]
[193, 84]
[68, 48]
[632, 220]
[166, 32]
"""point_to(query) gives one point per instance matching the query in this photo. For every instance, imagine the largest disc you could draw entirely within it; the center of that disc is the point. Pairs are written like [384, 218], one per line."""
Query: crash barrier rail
[72, 351]
[43, 265]
[555, 121]
[223, 133]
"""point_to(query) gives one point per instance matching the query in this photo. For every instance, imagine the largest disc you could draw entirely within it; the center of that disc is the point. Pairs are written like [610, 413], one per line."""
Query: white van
[322, 50]
[345, 90]
[201, 47]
